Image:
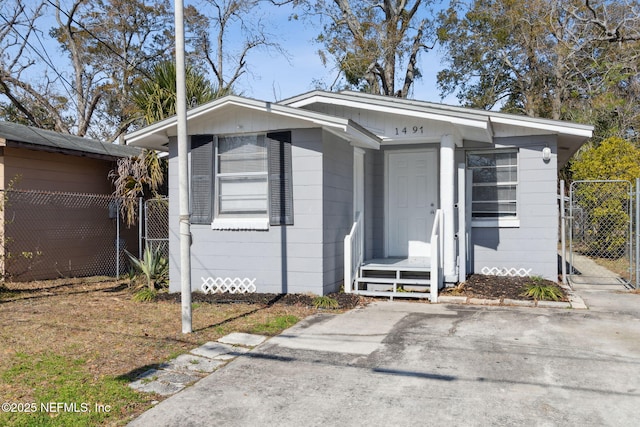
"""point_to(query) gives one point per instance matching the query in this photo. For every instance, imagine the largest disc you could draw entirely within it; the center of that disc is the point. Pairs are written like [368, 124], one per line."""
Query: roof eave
[156, 135]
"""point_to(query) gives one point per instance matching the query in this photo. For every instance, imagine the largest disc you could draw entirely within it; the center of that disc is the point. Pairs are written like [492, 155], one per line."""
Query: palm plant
[156, 97]
[153, 267]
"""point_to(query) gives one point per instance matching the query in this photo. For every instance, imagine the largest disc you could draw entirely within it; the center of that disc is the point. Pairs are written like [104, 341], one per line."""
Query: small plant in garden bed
[325, 302]
[539, 290]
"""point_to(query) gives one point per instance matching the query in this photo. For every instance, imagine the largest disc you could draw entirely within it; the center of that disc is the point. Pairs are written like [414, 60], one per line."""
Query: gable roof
[156, 136]
[472, 124]
[21, 136]
[317, 108]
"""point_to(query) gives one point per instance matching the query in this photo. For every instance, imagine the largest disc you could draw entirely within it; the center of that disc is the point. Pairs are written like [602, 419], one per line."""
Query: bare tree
[562, 59]
[110, 43]
[30, 101]
[212, 45]
[105, 46]
[375, 46]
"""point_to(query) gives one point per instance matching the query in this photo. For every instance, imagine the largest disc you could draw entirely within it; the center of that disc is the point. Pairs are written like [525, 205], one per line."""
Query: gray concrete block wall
[533, 244]
[337, 207]
[281, 259]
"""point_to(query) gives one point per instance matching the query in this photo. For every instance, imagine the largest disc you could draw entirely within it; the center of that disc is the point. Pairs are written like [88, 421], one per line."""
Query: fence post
[637, 233]
[140, 211]
[117, 238]
[563, 232]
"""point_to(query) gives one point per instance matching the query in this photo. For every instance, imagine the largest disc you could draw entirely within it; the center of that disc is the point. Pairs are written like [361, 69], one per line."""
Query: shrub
[153, 267]
[541, 291]
[325, 302]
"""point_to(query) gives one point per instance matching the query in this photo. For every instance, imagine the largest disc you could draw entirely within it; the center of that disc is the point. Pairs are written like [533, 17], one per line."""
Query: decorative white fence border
[235, 285]
[504, 271]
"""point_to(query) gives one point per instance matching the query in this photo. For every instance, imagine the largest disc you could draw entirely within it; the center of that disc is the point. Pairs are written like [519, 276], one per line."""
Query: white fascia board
[556, 127]
[457, 118]
[441, 112]
[366, 138]
[157, 133]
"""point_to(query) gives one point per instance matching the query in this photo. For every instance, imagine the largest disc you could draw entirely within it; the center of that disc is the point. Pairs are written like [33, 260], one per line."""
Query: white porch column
[447, 204]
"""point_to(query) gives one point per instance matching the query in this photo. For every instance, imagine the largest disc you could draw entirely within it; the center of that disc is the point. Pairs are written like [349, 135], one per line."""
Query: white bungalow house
[381, 195]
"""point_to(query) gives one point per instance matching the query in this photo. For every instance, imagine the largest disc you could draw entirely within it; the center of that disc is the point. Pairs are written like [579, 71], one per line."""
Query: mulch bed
[495, 287]
[476, 286]
[345, 301]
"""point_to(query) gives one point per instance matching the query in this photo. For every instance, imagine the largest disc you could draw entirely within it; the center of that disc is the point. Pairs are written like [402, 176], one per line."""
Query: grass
[55, 381]
[276, 325]
[325, 302]
[80, 341]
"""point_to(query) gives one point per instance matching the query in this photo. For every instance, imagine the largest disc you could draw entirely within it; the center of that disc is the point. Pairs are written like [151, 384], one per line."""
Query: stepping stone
[190, 362]
[239, 338]
[162, 382]
[220, 351]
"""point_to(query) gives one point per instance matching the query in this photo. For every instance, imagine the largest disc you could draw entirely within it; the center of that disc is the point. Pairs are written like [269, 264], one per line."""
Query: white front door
[412, 200]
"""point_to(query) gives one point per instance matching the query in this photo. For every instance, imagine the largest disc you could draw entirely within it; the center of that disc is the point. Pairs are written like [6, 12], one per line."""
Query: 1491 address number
[415, 130]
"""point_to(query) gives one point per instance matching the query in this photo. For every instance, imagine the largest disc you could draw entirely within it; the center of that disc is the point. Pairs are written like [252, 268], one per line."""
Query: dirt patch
[96, 323]
[496, 287]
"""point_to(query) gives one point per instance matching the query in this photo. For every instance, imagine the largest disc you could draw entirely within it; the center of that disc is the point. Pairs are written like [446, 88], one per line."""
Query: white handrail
[353, 243]
[437, 248]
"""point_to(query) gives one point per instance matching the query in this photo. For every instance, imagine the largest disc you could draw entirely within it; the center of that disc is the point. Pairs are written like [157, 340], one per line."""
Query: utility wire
[99, 40]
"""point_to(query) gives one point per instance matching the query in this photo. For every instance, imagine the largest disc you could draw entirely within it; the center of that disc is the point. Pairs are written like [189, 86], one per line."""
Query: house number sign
[410, 130]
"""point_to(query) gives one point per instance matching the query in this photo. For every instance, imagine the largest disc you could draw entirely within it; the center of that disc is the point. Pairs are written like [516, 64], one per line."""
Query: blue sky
[273, 78]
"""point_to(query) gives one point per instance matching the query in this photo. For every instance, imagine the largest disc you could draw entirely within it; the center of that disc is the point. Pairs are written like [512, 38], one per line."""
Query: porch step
[383, 280]
[393, 295]
[395, 277]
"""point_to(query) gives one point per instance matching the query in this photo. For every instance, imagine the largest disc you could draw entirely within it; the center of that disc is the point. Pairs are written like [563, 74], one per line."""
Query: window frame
[497, 220]
[277, 179]
[261, 176]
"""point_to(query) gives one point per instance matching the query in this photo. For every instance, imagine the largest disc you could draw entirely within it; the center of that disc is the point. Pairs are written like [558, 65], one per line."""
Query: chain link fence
[47, 235]
[600, 228]
[156, 225]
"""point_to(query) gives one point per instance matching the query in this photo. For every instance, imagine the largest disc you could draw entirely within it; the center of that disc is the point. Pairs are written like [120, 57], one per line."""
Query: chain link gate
[156, 225]
[601, 232]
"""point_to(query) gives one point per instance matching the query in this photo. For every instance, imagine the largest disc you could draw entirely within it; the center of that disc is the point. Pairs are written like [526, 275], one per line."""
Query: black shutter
[201, 178]
[280, 184]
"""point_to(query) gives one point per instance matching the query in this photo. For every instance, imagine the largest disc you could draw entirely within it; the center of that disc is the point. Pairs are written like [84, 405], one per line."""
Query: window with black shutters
[242, 177]
[280, 183]
[202, 178]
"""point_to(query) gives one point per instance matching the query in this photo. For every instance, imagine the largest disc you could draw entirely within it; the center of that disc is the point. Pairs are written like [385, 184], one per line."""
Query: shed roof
[17, 135]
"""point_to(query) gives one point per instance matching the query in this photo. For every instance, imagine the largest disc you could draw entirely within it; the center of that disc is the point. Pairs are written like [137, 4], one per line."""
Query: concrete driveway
[411, 363]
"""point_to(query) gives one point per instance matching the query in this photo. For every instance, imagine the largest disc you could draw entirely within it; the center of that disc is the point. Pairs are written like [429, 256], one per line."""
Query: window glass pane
[242, 175]
[494, 193]
[494, 209]
[239, 154]
[505, 159]
[492, 159]
[508, 174]
[242, 195]
[495, 177]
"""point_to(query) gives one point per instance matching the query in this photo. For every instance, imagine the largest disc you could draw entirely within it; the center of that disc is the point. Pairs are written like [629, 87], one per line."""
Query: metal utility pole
[183, 170]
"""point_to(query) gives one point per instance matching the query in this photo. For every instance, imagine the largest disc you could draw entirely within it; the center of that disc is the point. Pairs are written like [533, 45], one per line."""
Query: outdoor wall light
[546, 154]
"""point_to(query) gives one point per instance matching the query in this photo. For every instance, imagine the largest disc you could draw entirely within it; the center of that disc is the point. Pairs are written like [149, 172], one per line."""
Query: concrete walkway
[174, 375]
[413, 363]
